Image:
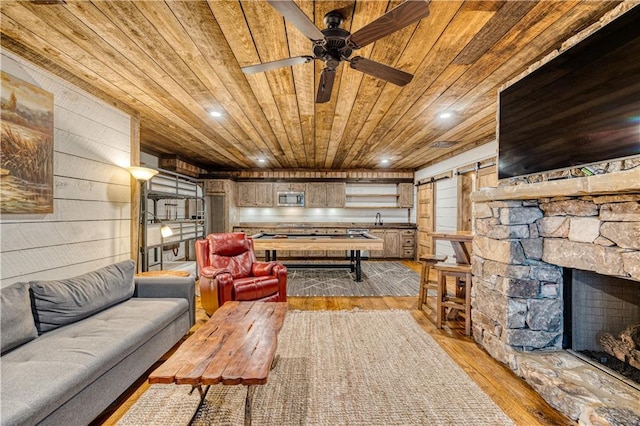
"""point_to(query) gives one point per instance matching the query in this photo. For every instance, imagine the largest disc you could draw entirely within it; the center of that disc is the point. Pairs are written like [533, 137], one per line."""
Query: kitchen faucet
[378, 219]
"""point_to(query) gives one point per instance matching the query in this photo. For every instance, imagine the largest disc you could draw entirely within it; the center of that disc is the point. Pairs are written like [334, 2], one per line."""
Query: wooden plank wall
[90, 224]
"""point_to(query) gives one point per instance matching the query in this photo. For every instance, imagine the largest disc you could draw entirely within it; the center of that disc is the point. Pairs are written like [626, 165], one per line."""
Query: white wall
[90, 223]
[446, 190]
[364, 217]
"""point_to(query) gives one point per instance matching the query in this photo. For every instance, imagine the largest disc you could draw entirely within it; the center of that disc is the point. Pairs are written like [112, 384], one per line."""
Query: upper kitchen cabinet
[405, 195]
[289, 187]
[255, 194]
[330, 194]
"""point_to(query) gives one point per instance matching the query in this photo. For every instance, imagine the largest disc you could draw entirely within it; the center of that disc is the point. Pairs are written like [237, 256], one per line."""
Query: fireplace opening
[602, 322]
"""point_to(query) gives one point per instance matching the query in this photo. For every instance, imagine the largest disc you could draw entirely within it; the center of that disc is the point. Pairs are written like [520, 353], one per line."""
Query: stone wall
[518, 254]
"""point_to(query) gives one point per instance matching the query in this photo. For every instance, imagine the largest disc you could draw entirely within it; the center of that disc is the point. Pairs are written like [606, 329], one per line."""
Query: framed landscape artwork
[26, 163]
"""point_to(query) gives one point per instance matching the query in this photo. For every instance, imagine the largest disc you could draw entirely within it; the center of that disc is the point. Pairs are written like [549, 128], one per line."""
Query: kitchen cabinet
[316, 195]
[408, 244]
[326, 194]
[405, 195]
[290, 187]
[214, 186]
[392, 244]
[255, 194]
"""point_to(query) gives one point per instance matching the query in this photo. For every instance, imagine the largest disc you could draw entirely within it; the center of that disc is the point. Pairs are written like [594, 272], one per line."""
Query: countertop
[308, 225]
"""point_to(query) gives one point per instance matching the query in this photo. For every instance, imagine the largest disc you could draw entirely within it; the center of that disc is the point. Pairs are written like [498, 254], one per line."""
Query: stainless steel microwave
[290, 199]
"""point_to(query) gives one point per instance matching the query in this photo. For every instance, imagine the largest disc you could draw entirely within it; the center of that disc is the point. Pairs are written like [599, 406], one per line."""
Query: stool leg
[426, 284]
[467, 304]
[424, 280]
[442, 288]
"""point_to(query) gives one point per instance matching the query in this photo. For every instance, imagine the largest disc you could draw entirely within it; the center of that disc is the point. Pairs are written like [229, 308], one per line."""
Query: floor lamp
[142, 175]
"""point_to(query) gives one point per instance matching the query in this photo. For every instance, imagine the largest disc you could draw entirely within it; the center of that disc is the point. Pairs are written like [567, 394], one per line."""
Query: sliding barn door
[426, 223]
[488, 177]
[465, 187]
[484, 176]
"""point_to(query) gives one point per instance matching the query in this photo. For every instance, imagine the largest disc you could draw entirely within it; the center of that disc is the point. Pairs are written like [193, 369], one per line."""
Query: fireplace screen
[602, 321]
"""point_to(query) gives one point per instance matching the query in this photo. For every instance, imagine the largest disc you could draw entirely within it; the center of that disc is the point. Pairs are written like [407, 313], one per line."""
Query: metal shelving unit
[177, 201]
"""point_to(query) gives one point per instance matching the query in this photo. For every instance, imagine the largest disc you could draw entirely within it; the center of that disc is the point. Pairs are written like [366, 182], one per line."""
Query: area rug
[338, 368]
[378, 279]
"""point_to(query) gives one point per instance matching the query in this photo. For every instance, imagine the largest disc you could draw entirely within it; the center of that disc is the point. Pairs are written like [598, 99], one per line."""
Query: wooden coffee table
[236, 346]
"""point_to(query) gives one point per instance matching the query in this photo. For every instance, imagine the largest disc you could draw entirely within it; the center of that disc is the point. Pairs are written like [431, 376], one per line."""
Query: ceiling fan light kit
[334, 45]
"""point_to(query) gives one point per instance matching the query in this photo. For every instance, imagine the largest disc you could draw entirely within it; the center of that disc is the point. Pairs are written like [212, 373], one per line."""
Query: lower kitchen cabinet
[408, 244]
[394, 244]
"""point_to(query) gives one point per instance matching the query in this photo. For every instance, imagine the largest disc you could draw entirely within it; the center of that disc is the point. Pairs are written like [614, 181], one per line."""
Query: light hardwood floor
[516, 398]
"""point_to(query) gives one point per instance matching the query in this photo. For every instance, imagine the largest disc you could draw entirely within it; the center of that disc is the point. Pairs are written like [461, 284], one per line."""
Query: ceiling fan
[334, 44]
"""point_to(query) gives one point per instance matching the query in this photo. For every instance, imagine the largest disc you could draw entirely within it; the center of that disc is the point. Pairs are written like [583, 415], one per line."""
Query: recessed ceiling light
[445, 114]
[216, 114]
[261, 160]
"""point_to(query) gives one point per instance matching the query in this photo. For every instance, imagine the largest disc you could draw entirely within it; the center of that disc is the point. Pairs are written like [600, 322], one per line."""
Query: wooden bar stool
[462, 275]
[428, 261]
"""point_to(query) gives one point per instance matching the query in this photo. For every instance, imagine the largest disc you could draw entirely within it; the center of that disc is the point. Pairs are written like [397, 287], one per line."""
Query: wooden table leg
[274, 362]
[203, 394]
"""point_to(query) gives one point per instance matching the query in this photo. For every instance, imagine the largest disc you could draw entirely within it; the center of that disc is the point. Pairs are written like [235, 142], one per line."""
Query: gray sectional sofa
[71, 347]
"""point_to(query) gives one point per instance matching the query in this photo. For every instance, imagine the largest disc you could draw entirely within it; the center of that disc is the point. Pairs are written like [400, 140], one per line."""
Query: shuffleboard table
[354, 243]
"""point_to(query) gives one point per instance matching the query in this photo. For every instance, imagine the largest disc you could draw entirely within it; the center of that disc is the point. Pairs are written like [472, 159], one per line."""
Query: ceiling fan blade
[382, 71]
[268, 66]
[326, 85]
[297, 17]
[397, 18]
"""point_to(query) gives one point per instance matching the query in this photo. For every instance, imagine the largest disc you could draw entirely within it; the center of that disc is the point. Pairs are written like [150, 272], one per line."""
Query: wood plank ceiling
[174, 62]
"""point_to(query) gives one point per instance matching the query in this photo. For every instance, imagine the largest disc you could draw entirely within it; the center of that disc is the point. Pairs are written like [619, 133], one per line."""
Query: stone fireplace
[529, 240]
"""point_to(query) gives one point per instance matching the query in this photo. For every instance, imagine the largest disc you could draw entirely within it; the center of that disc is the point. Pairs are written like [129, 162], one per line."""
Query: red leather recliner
[229, 271]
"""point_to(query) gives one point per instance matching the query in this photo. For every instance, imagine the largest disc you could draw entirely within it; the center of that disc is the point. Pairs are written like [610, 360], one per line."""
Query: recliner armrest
[211, 272]
[168, 287]
[261, 269]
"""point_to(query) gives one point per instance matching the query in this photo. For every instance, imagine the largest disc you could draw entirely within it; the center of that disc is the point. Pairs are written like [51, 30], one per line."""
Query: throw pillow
[62, 302]
[16, 320]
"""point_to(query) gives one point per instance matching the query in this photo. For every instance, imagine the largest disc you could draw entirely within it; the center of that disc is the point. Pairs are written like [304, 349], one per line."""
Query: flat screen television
[580, 108]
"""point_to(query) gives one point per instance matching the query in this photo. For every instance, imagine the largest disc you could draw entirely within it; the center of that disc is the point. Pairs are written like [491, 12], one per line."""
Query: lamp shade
[142, 173]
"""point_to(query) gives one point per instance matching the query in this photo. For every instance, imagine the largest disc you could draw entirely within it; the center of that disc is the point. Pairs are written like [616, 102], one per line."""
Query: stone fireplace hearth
[525, 236]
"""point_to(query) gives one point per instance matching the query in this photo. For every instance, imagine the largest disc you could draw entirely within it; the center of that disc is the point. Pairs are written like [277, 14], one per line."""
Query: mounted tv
[581, 108]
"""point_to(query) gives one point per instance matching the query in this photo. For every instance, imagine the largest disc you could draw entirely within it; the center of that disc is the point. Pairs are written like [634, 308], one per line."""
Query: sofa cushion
[16, 320]
[45, 373]
[61, 302]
